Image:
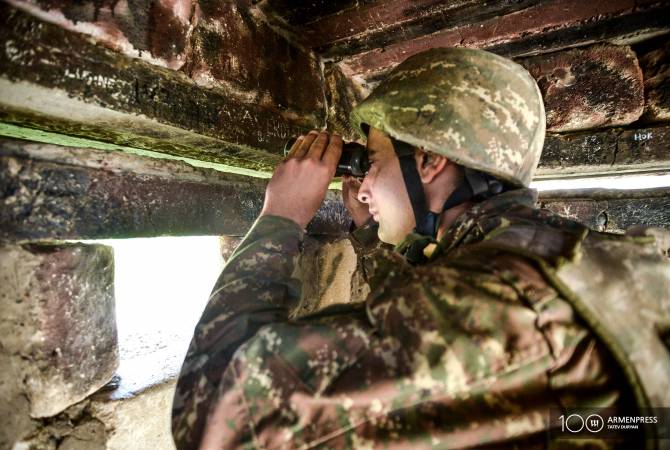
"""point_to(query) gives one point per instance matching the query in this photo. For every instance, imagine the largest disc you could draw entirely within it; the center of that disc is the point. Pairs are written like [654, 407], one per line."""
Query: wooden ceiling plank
[543, 28]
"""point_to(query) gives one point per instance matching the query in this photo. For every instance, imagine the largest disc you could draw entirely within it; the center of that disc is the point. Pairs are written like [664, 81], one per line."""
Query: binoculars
[354, 159]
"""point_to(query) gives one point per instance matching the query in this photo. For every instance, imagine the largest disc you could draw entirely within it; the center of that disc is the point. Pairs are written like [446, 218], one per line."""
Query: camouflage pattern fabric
[478, 109]
[469, 348]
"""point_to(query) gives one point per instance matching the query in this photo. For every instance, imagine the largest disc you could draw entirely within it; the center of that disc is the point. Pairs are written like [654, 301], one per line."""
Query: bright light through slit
[622, 182]
[161, 287]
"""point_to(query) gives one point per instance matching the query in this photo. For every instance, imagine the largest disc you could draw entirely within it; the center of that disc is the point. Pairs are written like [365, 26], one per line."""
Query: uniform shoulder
[526, 231]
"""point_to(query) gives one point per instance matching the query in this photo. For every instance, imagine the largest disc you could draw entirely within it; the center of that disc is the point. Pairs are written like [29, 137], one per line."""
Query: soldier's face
[383, 189]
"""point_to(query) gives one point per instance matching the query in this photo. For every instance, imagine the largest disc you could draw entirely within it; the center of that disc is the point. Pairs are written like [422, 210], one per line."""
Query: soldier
[483, 313]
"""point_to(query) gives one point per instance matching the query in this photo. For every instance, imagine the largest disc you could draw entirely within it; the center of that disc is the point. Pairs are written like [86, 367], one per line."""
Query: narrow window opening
[161, 288]
[615, 182]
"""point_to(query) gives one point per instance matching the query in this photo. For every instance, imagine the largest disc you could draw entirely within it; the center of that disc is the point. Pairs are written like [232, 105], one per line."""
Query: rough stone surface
[661, 237]
[56, 80]
[216, 43]
[138, 421]
[655, 62]
[332, 218]
[329, 273]
[58, 329]
[612, 210]
[230, 46]
[73, 429]
[157, 31]
[342, 94]
[49, 191]
[546, 27]
[589, 88]
[15, 407]
[611, 151]
[107, 422]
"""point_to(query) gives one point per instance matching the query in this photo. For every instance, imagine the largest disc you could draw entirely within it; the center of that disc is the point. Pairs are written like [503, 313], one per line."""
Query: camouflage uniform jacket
[470, 347]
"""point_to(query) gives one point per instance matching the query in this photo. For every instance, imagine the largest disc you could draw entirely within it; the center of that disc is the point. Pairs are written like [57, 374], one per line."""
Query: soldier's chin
[387, 235]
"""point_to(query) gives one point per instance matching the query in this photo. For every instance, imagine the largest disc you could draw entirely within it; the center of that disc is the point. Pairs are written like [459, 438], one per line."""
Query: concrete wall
[58, 339]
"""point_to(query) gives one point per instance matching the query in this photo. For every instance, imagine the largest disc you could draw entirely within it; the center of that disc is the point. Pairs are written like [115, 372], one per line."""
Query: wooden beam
[54, 192]
[342, 94]
[611, 210]
[654, 58]
[383, 24]
[301, 12]
[546, 27]
[591, 87]
[216, 44]
[57, 80]
[610, 151]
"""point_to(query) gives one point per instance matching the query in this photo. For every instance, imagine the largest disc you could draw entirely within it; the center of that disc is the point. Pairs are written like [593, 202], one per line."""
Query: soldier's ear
[429, 165]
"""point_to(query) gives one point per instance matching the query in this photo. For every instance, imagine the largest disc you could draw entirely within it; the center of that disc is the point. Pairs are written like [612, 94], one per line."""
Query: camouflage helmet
[478, 109]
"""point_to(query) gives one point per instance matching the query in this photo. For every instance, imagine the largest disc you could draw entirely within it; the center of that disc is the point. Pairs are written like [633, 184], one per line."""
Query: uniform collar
[417, 248]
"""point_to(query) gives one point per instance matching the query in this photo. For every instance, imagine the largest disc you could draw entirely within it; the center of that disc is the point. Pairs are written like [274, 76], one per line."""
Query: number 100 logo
[575, 423]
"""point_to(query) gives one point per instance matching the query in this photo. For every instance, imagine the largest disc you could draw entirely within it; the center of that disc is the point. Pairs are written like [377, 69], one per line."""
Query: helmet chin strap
[476, 186]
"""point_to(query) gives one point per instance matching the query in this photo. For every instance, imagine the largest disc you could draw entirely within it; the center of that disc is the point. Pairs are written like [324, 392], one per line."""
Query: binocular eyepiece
[354, 159]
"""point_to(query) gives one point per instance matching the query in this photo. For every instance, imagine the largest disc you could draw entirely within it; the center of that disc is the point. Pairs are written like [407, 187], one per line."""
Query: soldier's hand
[357, 210]
[299, 184]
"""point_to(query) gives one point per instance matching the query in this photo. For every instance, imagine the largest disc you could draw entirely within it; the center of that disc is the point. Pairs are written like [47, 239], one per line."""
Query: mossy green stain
[49, 137]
